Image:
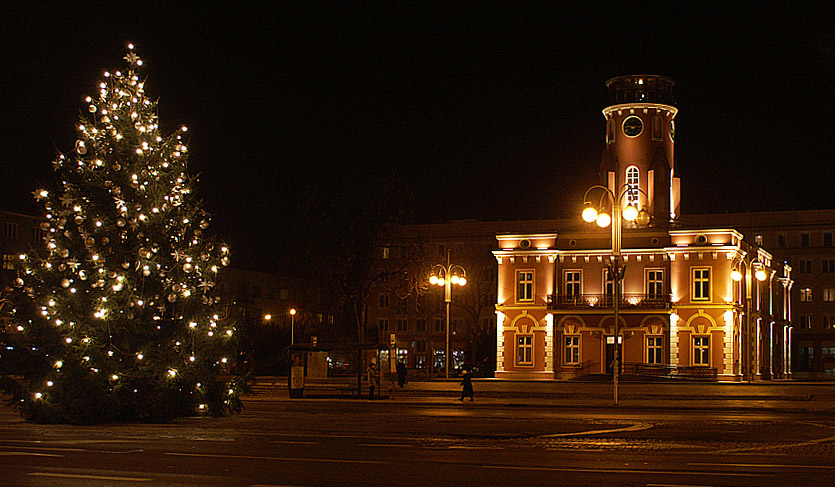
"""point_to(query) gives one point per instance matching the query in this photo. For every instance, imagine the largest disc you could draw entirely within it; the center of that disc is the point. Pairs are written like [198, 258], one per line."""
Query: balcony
[607, 301]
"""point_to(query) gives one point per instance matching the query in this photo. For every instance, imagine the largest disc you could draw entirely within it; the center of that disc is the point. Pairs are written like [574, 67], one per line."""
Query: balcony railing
[607, 301]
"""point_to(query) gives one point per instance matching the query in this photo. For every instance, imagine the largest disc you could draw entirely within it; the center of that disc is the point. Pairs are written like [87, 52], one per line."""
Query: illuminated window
[524, 350]
[806, 294]
[632, 186]
[701, 284]
[701, 351]
[572, 283]
[654, 351]
[655, 283]
[9, 261]
[524, 286]
[385, 252]
[572, 350]
[829, 294]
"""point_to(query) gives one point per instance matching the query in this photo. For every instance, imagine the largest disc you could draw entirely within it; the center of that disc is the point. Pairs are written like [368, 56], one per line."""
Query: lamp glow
[630, 213]
[736, 275]
[603, 220]
[760, 274]
[589, 214]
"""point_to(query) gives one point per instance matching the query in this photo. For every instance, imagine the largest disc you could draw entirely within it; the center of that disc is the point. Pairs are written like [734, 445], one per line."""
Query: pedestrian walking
[373, 376]
[467, 382]
[401, 374]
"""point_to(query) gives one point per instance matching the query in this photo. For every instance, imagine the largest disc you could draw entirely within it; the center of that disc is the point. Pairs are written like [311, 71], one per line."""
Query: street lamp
[592, 213]
[748, 264]
[447, 276]
[292, 326]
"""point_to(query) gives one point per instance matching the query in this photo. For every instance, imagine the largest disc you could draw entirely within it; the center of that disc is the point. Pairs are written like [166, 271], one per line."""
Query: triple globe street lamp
[597, 214]
[447, 276]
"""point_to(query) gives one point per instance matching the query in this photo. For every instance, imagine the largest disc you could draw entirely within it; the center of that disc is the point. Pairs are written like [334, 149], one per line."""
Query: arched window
[632, 186]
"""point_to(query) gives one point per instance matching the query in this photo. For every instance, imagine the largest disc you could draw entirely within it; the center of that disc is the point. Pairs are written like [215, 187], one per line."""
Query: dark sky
[476, 112]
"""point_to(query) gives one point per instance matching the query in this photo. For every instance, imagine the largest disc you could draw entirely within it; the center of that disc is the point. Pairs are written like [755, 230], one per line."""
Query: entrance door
[610, 354]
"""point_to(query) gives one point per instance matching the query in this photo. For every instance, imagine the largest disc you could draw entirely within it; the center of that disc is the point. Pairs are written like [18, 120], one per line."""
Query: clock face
[633, 126]
[672, 130]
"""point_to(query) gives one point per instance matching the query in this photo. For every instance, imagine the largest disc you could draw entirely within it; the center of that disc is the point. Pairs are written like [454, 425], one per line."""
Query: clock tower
[640, 135]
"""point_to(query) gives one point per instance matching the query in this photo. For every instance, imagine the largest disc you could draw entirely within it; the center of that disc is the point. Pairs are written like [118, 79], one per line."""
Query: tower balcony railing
[607, 301]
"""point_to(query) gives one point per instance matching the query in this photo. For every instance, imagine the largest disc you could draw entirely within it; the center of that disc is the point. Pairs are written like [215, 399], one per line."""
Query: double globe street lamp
[597, 214]
[446, 277]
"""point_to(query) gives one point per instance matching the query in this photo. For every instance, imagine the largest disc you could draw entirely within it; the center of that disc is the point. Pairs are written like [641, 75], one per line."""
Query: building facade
[652, 297]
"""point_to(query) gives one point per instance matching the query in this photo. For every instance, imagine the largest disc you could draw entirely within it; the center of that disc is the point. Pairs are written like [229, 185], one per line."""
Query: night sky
[475, 112]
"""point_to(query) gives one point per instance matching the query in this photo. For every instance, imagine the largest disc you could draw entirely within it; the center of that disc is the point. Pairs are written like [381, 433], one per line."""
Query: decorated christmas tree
[121, 313]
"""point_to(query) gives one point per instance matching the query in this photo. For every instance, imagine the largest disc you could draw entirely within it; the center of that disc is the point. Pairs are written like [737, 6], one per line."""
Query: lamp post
[446, 276]
[749, 264]
[597, 214]
[292, 326]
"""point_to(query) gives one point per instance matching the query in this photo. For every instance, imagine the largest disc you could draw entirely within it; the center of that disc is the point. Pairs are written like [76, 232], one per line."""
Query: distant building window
[572, 350]
[804, 239]
[420, 325]
[632, 182]
[420, 346]
[829, 321]
[385, 252]
[701, 284]
[524, 286]
[654, 347]
[781, 241]
[11, 231]
[828, 294]
[402, 324]
[805, 322]
[827, 239]
[383, 324]
[439, 325]
[805, 267]
[39, 234]
[701, 351]
[384, 301]
[806, 294]
[828, 266]
[524, 350]
[8, 261]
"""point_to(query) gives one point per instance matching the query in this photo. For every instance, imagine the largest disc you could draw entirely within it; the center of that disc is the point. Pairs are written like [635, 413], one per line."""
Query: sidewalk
[785, 396]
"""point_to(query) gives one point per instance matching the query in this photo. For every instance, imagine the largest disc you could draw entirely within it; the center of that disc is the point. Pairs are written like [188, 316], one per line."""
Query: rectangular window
[701, 284]
[655, 283]
[828, 266]
[385, 252]
[805, 267]
[39, 234]
[383, 324]
[654, 356]
[524, 286]
[572, 283]
[806, 294]
[827, 239]
[384, 301]
[829, 321]
[11, 230]
[829, 294]
[439, 324]
[781, 241]
[524, 350]
[804, 239]
[805, 322]
[572, 350]
[420, 346]
[420, 325]
[701, 351]
[402, 324]
[9, 261]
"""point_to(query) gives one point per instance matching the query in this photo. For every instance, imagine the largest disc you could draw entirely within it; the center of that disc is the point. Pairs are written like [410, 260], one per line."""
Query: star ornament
[133, 59]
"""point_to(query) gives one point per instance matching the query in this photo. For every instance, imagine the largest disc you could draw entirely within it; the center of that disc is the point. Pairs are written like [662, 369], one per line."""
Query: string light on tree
[122, 304]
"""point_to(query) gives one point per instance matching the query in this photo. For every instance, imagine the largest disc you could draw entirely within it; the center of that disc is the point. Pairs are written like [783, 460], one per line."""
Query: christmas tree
[121, 314]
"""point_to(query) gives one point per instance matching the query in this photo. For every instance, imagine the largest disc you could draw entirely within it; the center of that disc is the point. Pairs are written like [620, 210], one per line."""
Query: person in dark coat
[373, 376]
[467, 382]
[401, 374]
